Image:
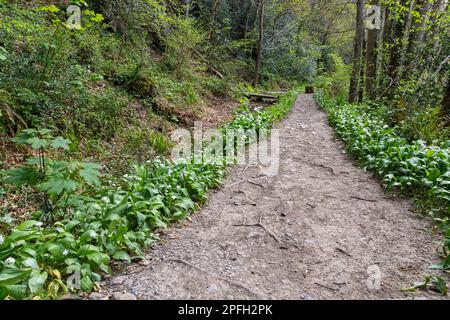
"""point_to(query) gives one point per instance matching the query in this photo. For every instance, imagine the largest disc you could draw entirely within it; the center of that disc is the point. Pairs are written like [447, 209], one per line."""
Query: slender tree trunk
[212, 22]
[405, 41]
[445, 106]
[423, 11]
[260, 41]
[214, 10]
[371, 59]
[388, 40]
[247, 19]
[417, 34]
[395, 59]
[361, 71]
[187, 8]
[440, 6]
[357, 53]
[380, 53]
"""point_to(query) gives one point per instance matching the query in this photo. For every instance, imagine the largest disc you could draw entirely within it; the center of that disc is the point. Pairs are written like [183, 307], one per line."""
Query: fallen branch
[261, 96]
[247, 166]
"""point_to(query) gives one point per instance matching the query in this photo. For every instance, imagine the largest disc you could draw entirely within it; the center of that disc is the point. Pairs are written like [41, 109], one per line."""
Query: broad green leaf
[30, 263]
[60, 143]
[56, 249]
[438, 284]
[28, 225]
[98, 258]
[3, 57]
[23, 176]
[88, 236]
[121, 255]
[71, 224]
[37, 143]
[86, 284]
[90, 173]
[10, 276]
[58, 186]
[3, 293]
[37, 281]
[17, 291]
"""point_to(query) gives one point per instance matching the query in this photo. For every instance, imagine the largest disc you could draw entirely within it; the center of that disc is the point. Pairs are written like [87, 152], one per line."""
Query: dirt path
[311, 232]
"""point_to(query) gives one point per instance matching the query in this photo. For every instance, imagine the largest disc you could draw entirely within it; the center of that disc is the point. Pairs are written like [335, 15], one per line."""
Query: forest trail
[318, 230]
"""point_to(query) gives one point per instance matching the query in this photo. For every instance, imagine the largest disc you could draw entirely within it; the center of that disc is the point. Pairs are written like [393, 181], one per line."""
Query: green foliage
[8, 115]
[262, 119]
[422, 123]
[59, 180]
[113, 225]
[335, 83]
[431, 282]
[41, 140]
[90, 84]
[247, 119]
[180, 36]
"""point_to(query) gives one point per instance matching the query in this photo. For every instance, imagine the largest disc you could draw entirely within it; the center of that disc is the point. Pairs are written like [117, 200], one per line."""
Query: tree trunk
[212, 22]
[395, 54]
[361, 71]
[405, 41]
[423, 11]
[357, 53]
[440, 7]
[187, 8]
[445, 109]
[247, 19]
[260, 42]
[417, 34]
[371, 60]
[380, 53]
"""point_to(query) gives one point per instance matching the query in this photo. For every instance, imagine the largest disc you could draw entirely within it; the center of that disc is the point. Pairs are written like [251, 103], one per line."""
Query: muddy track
[320, 229]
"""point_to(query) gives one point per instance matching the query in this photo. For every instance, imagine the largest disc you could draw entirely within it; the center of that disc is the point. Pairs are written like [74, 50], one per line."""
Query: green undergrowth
[90, 222]
[115, 96]
[411, 167]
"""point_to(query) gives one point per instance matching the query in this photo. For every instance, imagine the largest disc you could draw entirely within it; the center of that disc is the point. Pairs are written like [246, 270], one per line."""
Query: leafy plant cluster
[59, 180]
[410, 166]
[247, 119]
[262, 119]
[117, 222]
[99, 85]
